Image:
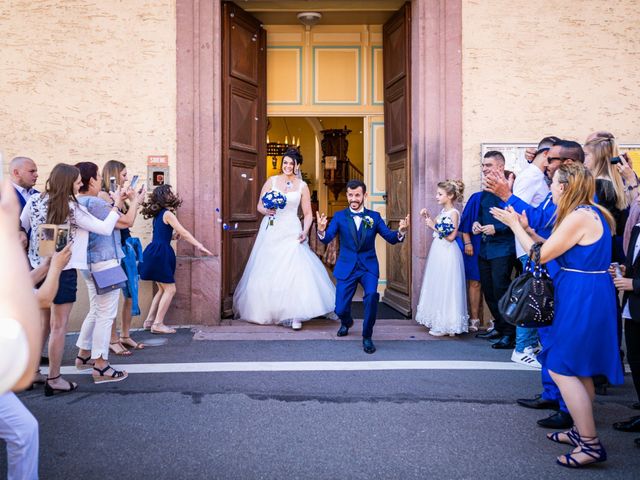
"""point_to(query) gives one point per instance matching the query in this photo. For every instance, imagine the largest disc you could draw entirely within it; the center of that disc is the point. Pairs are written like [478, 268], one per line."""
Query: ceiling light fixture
[309, 18]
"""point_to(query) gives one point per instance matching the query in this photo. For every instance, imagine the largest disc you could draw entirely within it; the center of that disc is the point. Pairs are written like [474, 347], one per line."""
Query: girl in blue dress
[158, 259]
[583, 339]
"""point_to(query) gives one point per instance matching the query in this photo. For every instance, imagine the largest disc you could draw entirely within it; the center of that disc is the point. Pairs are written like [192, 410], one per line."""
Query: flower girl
[443, 299]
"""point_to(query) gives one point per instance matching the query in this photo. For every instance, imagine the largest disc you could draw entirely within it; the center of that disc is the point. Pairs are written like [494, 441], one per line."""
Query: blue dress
[583, 340]
[470, 215]
[158, 259]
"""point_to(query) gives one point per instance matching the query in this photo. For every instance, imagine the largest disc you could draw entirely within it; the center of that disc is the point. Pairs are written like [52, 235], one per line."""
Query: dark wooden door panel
[396, 121]
[244, 53]
[396, 43]
[244, 108]
[243, 112]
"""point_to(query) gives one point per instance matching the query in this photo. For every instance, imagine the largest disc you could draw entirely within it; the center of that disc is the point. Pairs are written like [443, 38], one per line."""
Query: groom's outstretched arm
[325, 236]
[391, 236]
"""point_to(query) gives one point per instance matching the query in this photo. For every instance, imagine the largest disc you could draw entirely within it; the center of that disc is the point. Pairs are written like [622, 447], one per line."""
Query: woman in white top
[58, 205]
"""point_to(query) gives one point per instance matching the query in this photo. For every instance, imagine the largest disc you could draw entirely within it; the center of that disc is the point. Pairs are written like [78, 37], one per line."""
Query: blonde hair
[580, 189]
[603, 148]
[453, 188]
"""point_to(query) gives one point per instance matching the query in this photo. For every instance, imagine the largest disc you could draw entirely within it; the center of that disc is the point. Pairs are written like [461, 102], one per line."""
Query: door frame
[436, 142]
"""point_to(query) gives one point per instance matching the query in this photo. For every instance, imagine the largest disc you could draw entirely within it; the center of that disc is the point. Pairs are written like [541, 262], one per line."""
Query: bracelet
[467, 243]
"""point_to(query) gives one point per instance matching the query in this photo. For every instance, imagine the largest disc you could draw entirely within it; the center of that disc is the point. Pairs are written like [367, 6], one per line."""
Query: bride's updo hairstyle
[453, 188]
[294, 154]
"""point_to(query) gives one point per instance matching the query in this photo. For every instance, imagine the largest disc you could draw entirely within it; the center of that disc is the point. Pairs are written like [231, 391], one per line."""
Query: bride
[284, 283]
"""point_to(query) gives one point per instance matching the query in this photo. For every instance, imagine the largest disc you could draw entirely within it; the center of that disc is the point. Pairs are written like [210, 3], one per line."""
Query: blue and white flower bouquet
[444, 228]
[273, 200]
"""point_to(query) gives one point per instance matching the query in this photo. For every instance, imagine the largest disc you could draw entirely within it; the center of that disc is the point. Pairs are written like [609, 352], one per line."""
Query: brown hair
[603, 148]
[454, 188]
[88, 171]
[59, 190]
[160, 198]
[580, 189]
[113, 168]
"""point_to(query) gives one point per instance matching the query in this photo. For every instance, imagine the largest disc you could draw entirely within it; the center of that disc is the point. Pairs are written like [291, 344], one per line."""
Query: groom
[357, 261]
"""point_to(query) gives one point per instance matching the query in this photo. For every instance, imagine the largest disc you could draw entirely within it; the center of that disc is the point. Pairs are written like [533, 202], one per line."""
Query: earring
[296, 170]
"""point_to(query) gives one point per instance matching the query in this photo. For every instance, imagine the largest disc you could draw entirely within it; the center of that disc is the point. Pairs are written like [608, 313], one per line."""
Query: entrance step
[320, 329]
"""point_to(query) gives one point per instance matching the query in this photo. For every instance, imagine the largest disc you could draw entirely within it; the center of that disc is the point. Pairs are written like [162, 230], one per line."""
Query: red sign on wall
[158, 160]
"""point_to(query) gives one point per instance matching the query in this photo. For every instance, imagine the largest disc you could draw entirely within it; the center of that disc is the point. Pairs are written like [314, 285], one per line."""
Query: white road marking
[330, 366]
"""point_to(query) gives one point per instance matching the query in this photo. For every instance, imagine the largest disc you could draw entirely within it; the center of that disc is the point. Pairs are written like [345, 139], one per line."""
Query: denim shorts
[67, 288]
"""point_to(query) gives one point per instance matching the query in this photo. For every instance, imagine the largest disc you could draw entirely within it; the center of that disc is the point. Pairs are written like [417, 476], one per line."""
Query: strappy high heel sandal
[50, 391]
[115, 376]
[590, 447]
[572, 437]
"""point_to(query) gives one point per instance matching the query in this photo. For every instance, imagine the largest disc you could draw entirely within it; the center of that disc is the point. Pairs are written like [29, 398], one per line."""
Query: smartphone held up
[52, 238]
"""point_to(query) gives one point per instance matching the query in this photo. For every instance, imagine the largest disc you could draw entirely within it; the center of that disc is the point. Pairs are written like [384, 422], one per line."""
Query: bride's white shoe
[296, 325]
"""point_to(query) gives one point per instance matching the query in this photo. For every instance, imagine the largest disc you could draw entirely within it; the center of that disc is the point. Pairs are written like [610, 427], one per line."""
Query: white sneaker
[527, 358]
[436, 334]
[296, 324]
[474, 324]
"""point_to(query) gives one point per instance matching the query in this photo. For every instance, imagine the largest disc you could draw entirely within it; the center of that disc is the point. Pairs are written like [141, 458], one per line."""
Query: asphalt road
[400, 424]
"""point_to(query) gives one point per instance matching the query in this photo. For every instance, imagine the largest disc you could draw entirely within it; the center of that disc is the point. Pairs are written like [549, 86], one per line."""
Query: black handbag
[528, 302]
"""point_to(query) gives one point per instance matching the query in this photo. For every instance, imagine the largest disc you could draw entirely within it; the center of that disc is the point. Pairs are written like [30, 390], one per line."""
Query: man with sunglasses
[541, 223]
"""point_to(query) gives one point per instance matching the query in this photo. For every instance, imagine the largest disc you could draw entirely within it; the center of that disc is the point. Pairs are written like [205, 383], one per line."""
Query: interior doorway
[329, 77]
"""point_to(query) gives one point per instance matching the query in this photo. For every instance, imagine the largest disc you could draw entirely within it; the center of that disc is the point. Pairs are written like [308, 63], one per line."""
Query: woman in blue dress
[583, 339]
[158, 259]
[470, 246]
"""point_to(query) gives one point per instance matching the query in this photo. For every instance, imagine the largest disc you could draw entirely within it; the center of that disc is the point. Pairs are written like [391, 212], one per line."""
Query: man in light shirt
[531, 186]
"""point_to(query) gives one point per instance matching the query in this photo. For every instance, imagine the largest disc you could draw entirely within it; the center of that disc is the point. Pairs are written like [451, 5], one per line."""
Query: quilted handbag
[528, 302]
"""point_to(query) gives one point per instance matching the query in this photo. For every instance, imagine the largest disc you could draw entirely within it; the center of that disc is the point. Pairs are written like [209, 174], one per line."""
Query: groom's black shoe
[368, 345]
[343, 331]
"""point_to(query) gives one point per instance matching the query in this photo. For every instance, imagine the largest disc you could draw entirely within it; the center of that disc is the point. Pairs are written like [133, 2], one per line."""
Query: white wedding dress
[443, 297]
[283, 280]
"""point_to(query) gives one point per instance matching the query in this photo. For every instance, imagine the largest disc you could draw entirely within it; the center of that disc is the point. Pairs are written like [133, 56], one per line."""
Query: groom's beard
[355, 206]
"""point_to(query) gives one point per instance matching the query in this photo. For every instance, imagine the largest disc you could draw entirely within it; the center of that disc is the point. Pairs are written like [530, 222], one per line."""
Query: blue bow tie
[357, 214]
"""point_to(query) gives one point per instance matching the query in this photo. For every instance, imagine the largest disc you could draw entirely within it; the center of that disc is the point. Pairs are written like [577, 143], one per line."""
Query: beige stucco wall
[89, 80]
[532, 69]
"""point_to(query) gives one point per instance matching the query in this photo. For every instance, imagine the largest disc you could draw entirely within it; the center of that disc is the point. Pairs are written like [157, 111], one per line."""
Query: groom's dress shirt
[357, 217]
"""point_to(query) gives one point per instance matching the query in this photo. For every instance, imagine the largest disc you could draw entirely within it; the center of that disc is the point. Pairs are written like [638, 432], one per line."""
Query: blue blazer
[355, 245]
[21, 199]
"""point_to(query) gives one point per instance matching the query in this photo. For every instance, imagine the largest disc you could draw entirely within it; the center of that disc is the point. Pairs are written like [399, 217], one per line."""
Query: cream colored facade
[89, 81]
[532, 69]
[96, 80]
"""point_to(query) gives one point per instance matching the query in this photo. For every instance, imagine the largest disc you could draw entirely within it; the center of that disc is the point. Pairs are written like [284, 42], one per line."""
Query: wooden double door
[244, 144]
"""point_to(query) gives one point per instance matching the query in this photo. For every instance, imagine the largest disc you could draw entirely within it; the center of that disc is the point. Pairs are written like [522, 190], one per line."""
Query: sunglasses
[561, 159]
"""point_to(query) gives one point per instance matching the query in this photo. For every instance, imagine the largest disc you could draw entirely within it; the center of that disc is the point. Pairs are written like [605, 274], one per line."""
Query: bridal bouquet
[273, 200]
[444, 228]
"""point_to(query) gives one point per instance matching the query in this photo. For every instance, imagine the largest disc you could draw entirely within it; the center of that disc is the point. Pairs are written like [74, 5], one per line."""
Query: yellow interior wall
[329, 70]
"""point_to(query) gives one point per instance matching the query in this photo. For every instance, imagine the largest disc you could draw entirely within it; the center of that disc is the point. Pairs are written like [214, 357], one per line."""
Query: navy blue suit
[357, 263]
[21, 199]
